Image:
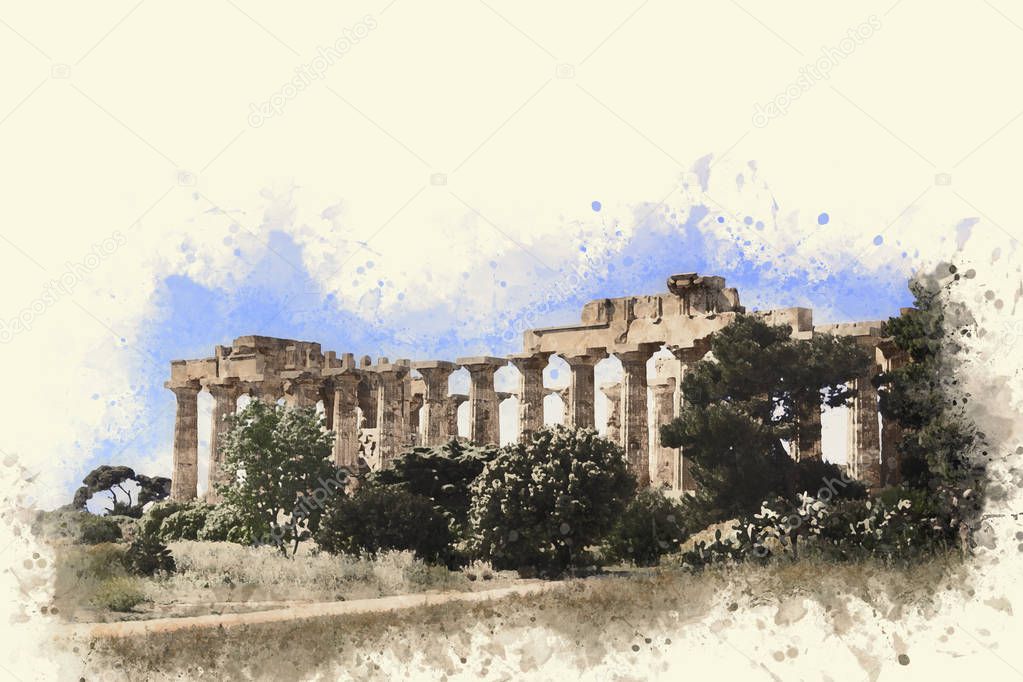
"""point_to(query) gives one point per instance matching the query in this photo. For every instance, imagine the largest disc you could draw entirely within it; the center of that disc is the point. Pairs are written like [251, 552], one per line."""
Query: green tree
[378, 518]
[118, 479]
[441, 474]
[923, 396]
[651, 526]
[541, 503]
[279, 473]
[740, 407]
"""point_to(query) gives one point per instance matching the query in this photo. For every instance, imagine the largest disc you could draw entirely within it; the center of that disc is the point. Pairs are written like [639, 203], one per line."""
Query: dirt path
[381, 605]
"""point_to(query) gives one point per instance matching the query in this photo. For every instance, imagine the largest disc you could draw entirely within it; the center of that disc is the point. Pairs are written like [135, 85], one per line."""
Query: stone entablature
[377, 410]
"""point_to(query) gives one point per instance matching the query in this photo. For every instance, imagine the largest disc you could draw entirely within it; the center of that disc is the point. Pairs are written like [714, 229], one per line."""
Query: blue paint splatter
[748, 220]
[595, 206]
[823, 219]
[721, 219]
[878, 240]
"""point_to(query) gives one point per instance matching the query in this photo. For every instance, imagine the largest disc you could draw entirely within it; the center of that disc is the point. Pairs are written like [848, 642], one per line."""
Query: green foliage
[225, 524]
[118, 594]
[277, 462]
[147, 556]
[650, 526]
[93, 530]
[152, 520]
[184, 524]
[111, 480]
[378, 518]
[441, 474]
[740, 407]
[923, 396]
[540, 503]
[80, 527]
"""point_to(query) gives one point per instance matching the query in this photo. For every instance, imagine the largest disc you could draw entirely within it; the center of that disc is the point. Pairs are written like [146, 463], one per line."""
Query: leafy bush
[118, 594]
[279, 472]
[147, 555]
[378, 518]
[152, 520]
[441, 474]
[80, 527]
[92, 530]
[184, 524]
[224, 523]
[539, 504]
[650, 526]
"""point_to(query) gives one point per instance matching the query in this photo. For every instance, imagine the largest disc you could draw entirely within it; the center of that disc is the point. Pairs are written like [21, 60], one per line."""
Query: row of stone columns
[380, 395]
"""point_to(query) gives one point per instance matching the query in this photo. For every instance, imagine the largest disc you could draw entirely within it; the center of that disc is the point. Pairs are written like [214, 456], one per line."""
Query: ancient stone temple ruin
[378, 409]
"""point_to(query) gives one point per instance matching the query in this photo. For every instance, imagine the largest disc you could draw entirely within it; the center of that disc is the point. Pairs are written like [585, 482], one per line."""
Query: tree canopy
[743, 403]
[541, 502]
[279, 472]
[923, 396]
[113, 479]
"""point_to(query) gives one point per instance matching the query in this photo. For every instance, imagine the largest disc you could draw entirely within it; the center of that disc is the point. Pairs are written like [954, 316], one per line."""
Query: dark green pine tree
[743, 404]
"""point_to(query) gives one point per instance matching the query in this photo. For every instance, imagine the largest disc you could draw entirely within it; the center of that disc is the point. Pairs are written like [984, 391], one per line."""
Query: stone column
[346, 418]
[368, 399]
[807, 442]
[665, 459]
[391, 421]
[225, 404]
[185, 478]
[531, 391]
[613, 392]
[687, 356]
[484, 419]
[434, 417]
[864, 440]
[579, 410]
[454, 401]
[635, 411]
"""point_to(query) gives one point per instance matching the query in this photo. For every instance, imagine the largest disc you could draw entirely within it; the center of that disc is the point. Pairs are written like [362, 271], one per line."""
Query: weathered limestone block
[345, 402]
[225, 404]
[635, 409]
[613, 392]
[863, 434]
[454, 401]
[184, 481]
[531, 391]
[579, 410]
[301, 389]
[484, 419]
[391, 405]
[434, 417]
[666, 460]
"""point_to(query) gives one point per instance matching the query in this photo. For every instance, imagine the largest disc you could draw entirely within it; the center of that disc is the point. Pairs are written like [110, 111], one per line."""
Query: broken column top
[482, 360]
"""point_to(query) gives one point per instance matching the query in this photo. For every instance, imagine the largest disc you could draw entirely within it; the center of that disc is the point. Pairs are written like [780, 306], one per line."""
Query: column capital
[479, 363]
[637, 353]
[525, 361]
[436, 366]
[583, 358]
[185, 389]
[343, 376]
[692, 353]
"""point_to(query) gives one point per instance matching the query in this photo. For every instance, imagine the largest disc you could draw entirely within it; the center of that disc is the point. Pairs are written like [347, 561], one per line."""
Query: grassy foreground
[221, 577]
[599, 615]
